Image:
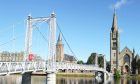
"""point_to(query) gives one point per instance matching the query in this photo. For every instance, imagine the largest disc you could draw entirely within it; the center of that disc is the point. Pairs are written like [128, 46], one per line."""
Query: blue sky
[85, 24]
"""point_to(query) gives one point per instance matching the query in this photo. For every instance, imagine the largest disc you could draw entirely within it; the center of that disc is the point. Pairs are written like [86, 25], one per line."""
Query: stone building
[60, 56]
[69, 58]
[59, 49]
[16, 57]
[120, 60]
[11, 57]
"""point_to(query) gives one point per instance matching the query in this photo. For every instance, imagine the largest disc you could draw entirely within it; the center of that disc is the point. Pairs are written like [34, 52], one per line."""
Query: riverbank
[75, 75]
[132, 76]
[137, 77]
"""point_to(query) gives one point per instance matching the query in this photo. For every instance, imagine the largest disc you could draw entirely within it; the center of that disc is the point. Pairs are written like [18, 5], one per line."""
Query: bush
[117, 74]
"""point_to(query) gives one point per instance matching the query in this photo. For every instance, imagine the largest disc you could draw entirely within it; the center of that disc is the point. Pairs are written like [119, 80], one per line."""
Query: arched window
[126, 59]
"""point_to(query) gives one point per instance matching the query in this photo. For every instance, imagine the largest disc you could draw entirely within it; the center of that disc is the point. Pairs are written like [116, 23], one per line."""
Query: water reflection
[17, 79]
[124, 81]
[38, 80]
[75, 80]
[12, 79]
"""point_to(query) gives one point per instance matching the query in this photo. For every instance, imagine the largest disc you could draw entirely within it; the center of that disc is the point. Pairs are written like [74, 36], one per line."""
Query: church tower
[114, 45]
[59, 49]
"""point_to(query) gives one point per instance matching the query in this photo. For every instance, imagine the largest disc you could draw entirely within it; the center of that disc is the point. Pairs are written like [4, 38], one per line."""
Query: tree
[80, 62]
[134, 66]
[138, 65]
[101, 61]
[117, 74]
[91, 59]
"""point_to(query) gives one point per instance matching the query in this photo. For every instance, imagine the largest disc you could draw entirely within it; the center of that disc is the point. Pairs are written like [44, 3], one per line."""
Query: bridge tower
[31, 22]
[96, 60]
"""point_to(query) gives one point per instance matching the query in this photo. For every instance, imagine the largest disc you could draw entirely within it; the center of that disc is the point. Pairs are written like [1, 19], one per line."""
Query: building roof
[69, 58]
[126, 48]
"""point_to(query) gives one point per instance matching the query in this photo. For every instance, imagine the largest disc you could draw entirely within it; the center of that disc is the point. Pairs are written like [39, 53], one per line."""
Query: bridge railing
[20, 67]
[65, 65]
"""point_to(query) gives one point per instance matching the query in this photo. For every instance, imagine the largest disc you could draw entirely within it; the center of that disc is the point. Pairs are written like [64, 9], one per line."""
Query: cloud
[120, 3]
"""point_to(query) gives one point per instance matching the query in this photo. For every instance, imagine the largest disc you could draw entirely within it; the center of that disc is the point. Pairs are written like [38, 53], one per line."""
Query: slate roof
[69, 58]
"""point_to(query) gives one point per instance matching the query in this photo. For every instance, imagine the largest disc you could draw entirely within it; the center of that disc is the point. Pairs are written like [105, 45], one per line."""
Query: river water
[17, 79]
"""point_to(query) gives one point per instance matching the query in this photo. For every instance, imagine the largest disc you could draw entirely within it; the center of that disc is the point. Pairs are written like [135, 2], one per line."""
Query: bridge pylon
[31, 22]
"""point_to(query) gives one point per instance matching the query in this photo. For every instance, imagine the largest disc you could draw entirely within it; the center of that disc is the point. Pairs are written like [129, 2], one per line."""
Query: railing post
[8, 67]
[23, 67]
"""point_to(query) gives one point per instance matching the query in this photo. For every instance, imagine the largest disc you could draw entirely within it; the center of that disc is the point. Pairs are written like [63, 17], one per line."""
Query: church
[119, 60]
[60, 56]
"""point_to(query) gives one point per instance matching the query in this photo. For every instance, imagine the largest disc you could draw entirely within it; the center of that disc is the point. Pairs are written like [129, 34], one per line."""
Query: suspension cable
[8, 41]
[41, 34]
[66, 42]
[10, 27]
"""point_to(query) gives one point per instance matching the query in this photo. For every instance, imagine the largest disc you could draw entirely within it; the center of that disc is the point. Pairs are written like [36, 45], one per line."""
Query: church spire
[59, 41]
[114, 24]
[60, 37]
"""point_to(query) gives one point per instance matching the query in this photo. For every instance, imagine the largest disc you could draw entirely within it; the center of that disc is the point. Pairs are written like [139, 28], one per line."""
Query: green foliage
[117, 74]
[101, 61]
[80, 62]
[117, 80]
[138, 66]
[134, 66]
[91, 59]
[138, 63]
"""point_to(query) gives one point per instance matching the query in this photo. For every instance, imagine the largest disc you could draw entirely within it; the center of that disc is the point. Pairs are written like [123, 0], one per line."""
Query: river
[17, 79]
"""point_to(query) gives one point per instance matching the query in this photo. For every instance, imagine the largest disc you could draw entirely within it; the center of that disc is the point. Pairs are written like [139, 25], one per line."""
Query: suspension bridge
[50, 65]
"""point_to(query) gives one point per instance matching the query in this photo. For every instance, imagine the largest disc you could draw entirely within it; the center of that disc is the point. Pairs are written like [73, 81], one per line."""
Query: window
[114, 54]
[114, 44]
[126, 59]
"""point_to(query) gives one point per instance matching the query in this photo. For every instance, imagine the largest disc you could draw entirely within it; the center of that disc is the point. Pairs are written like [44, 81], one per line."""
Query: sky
[86, 24]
